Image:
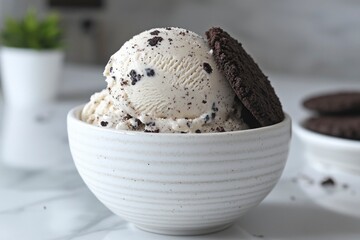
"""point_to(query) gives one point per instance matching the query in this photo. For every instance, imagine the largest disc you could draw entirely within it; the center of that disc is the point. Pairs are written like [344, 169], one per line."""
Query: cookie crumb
[220, 129]
[328, 182]
[154, 41]
[206, 118]
[149, 72]
[156, 32]
[152, 131]
[134, 76]
[104, 123]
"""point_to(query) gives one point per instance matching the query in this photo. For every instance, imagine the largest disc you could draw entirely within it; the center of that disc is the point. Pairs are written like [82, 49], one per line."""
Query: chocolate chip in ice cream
[206, 118]
[214, 108]
[152, 131]
[149, 72]
[207, 68]
[220, 129]
[156, 32]
[104, 123]
[150, 124]
[134, 76]
[154, 41]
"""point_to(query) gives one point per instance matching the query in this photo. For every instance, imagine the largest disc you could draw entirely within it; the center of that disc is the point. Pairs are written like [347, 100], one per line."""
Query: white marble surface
[54, 203]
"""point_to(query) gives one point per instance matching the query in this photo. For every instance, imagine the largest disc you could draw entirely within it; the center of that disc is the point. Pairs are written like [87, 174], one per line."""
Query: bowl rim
[310, 136]
[73, 115]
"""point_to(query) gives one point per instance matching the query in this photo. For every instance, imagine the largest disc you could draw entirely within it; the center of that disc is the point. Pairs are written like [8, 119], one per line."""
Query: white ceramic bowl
[331, 151]
[179, 184]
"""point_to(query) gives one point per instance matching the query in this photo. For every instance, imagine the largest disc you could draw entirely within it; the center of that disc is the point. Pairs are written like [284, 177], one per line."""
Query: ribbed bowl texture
[179, 184]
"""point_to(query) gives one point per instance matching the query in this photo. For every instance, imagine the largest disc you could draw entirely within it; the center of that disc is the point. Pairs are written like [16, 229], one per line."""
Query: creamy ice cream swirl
[165, 80]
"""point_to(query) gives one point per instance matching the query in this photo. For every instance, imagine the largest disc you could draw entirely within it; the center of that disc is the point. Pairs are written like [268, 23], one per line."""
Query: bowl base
[183, 232]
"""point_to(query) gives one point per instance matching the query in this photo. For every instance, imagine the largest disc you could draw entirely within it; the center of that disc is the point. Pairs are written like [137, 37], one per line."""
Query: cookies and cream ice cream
[165, 80]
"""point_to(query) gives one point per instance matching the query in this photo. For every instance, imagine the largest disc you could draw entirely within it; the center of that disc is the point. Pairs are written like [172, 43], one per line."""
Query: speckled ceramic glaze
[180, 184]
[331, 151]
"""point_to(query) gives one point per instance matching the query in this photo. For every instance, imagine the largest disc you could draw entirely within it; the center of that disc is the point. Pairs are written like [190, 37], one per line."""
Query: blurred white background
[307, 38]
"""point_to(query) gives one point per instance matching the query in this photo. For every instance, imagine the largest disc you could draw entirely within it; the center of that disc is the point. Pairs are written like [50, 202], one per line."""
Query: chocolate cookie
[337, 126]
[335, 103]
[263, 107]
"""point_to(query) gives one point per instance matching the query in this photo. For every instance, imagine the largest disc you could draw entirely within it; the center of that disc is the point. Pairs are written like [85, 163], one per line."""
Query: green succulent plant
[31, 32]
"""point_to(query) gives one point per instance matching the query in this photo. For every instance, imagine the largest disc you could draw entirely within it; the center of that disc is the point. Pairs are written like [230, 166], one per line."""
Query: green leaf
[31, 32]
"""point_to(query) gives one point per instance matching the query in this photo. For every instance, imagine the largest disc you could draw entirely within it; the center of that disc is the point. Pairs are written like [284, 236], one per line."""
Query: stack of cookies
[336, 114]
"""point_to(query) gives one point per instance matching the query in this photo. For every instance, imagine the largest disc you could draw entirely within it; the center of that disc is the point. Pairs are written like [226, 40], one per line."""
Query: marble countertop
[54, 203]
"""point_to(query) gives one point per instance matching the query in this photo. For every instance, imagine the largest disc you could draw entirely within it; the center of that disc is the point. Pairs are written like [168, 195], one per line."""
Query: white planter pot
[34, 138]
[30, 77]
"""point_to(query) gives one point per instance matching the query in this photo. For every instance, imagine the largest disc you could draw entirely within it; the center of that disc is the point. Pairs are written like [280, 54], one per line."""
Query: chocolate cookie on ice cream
[252, 87]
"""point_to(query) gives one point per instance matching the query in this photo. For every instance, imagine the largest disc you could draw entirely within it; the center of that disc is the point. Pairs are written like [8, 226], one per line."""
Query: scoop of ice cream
[166, 80]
